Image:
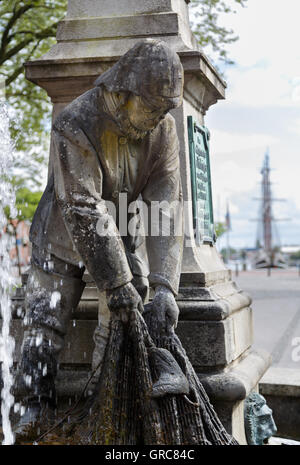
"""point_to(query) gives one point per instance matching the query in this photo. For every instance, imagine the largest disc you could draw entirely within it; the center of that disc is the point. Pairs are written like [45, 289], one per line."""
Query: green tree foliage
[27, 31]
[210, 34]
[227, 253]
[295, 256]
[26, 203]
[220, 228]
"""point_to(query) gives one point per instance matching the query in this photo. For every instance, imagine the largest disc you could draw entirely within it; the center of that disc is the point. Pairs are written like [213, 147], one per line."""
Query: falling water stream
[7, 281]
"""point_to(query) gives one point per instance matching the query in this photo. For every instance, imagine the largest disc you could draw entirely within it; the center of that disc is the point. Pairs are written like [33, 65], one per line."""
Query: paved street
[276, 313]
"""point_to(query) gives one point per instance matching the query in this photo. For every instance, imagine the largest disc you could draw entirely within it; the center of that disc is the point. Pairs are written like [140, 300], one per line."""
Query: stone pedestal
[215, 317]
[216, 330]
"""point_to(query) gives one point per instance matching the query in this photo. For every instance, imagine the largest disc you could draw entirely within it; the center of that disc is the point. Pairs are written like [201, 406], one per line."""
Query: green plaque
[201, 182]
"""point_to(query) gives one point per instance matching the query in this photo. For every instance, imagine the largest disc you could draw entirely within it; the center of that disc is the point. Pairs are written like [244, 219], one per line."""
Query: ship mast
[266, 221]
[267, 206]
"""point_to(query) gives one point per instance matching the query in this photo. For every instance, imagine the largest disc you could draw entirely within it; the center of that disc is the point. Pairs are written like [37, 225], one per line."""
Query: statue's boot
[38, 417]
[52, 294]
[170, 378]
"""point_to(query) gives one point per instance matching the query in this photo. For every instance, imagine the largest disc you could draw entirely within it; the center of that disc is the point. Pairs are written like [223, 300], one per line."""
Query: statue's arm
[78, 187]
[164, 187]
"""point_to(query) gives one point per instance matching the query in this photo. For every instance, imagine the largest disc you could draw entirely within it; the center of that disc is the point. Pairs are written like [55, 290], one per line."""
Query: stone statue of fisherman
[116, 138]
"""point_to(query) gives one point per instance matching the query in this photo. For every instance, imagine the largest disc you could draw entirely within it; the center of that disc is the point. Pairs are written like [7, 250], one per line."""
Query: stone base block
[217, 343]
[228, 389]
[281, 389]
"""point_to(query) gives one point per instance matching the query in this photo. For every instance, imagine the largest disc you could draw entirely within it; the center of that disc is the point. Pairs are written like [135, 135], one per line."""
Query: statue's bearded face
[137, 118]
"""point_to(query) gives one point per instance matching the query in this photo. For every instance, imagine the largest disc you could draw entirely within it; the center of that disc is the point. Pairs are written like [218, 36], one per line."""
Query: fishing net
[134, 402]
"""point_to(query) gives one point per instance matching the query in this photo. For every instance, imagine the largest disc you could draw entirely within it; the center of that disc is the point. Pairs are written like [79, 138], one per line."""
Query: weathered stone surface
[210, 303]
[71, 383]
[208, 344]
[281, 389]
[85, 23]
[79, 343]
[130, 10]
[92, 8]
[279, 381]
[109, 28]
[228, 389]
[286, 415]
[239, 379]
[231, 415]
[216, 343]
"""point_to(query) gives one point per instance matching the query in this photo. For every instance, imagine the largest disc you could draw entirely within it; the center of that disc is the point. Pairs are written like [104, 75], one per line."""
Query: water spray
[7, 281]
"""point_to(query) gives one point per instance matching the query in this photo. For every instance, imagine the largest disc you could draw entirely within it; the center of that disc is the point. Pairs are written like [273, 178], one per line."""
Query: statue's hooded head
[149, 71]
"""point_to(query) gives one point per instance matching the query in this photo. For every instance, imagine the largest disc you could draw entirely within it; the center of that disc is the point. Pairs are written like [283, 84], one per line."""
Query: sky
[261, 111]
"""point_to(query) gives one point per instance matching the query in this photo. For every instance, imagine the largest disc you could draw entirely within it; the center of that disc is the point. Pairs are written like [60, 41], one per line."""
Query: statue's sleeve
[78, 187]
[163, 196]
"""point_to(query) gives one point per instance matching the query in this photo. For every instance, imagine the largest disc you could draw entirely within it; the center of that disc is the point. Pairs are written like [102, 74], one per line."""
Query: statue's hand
[166, 308]
[124, 300]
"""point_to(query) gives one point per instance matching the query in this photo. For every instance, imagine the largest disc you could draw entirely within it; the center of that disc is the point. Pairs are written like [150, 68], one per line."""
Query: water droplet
[39, 339]
[28, 380]
[17, 407]
[55, 298]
